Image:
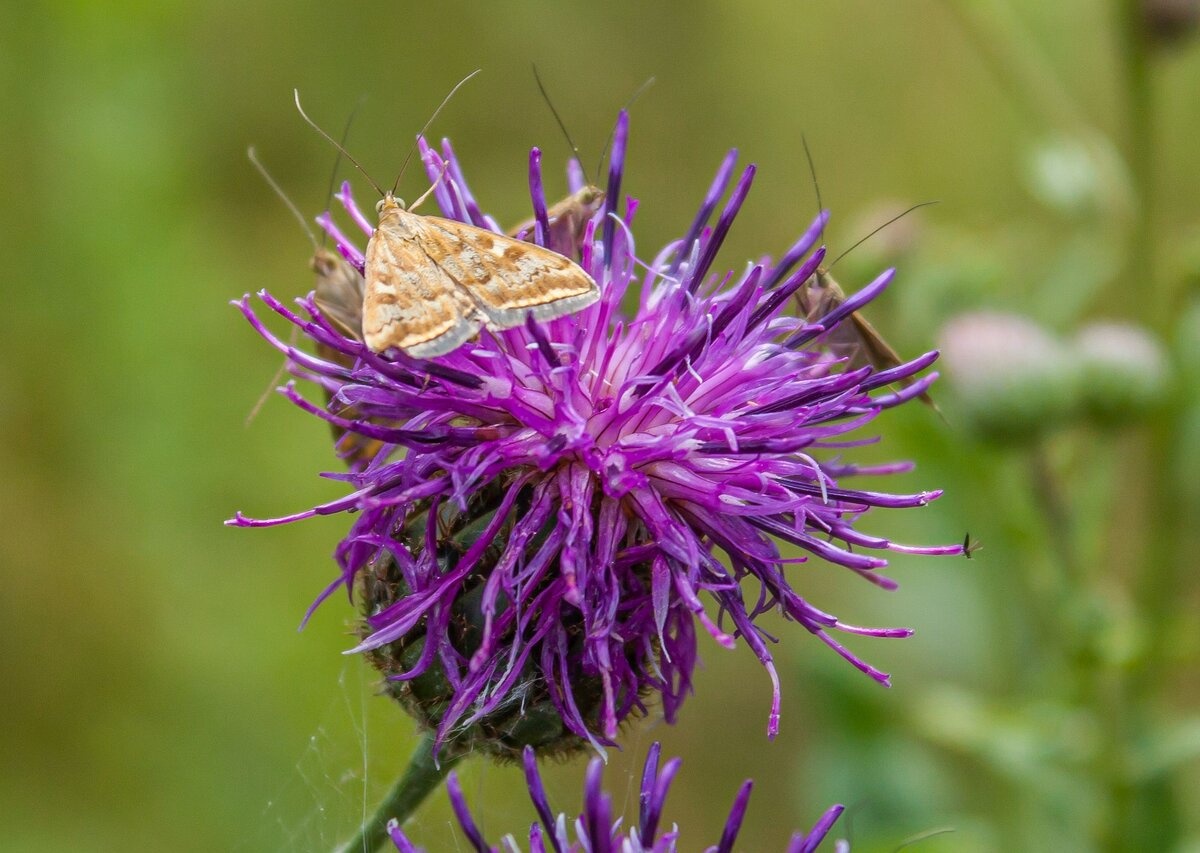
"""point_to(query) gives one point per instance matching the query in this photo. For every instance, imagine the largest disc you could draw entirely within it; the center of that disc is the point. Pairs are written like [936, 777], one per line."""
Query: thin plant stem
[1139, 153]
[1013, 57]
[420, 778]
[1056, 511]
[1095, 684]
[1158, 579]
[1160, 575]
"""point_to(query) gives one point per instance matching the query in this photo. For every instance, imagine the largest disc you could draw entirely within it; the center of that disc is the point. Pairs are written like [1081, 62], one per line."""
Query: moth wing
[821, 295]
[339, 293]
[878, 351]
[410, 302]
[881, 355]
[507, 278]
[568, 220]
[856, 340]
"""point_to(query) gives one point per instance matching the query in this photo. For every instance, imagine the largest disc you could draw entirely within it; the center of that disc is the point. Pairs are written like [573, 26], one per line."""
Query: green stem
[1057, 610]
[420, 778]
[1094, 684]
[1014, 58]
[1160, 575]
[1139, 153]
[1157, 579]
[1057, 512]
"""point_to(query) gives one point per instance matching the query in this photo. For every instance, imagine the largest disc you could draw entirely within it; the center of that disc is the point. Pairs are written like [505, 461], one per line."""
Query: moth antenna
[923, 836]
[561, 126]
[628, 104]
[412, 207]
[337, 162]
[812, 170]
[895, 218]
[270, 385]
[262, 170]
[413, 149]
[335, 143]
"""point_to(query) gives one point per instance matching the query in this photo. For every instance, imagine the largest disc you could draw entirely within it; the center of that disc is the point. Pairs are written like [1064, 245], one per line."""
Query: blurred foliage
[156, 693]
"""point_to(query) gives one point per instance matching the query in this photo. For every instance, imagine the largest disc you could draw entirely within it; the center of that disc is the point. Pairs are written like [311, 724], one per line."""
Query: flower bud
[1014, 380]
[1123, 369]
[1078, 175]
[1169, 22]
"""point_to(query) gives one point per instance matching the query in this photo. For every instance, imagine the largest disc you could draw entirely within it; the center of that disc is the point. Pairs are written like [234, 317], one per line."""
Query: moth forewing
[568, 220]
[338, 293]
[433, 283]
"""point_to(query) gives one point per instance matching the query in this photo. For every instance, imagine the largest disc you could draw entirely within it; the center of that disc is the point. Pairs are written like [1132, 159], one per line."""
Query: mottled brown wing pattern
[432, 283]
[410, 301]
[509, 279]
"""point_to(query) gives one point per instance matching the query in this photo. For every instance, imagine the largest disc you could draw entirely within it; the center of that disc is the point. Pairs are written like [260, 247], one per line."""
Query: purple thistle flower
[596, 831]
[533, 539]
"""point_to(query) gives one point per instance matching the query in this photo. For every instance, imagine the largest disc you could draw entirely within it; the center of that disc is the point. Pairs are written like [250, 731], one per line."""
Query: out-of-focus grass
[156, 693]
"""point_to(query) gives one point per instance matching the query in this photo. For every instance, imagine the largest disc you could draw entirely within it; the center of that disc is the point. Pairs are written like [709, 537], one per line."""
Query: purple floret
[636, 466]
[596, 831]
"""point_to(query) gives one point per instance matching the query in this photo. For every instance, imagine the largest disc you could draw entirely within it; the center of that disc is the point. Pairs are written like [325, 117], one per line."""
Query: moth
[857, 340]
[854, 339]
[970, 547]
[338, 294]
[568, 220]
[433, 283]
[338, 291]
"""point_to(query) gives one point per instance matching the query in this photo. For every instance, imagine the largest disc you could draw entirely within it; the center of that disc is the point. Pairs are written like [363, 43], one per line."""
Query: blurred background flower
[151, 667]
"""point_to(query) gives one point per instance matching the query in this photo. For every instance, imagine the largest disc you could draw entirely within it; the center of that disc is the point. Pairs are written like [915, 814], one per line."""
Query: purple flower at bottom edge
[595, 830]
[544, 512]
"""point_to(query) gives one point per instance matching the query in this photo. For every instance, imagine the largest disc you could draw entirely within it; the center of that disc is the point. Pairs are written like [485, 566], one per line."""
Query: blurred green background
[156, 694]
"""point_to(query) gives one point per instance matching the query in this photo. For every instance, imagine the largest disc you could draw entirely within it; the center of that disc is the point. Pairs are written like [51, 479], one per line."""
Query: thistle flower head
[596, 831]
[552, 505]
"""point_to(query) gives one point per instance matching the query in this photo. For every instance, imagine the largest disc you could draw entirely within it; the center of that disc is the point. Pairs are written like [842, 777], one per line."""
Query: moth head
[812, 296]
[389, 202]
[822, 280]
[323, 262]
[590, 197]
